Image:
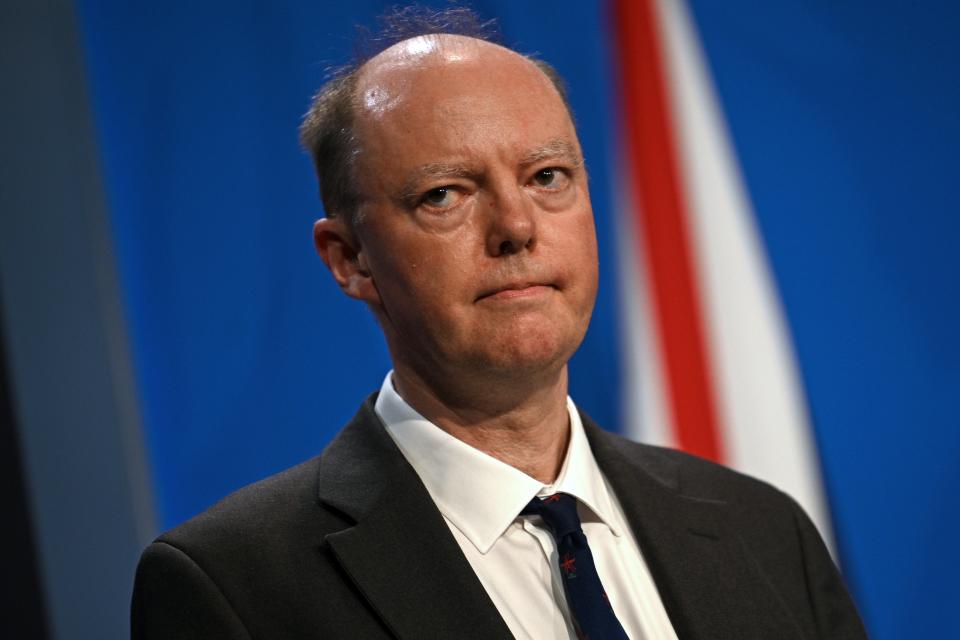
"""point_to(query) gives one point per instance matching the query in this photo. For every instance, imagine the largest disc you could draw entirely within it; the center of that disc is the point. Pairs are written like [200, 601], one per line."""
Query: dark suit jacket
[350, 545]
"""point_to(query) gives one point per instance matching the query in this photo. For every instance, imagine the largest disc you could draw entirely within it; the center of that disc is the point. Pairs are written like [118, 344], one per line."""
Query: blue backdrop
[846, 118]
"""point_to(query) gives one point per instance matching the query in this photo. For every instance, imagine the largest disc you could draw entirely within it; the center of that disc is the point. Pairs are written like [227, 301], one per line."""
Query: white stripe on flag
[646, 408]
[766, 430]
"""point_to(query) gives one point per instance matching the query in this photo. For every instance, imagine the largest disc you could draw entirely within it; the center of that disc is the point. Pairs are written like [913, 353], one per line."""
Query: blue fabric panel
[846, 117]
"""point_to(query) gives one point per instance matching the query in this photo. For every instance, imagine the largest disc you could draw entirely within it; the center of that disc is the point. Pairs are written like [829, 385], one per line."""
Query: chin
[530, 353]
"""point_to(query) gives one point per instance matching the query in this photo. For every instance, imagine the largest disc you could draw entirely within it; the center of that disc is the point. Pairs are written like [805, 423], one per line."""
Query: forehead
[441, 95]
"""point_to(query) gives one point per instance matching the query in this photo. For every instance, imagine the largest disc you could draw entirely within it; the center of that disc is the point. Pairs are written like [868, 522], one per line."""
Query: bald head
[383, 80]
[330, 132]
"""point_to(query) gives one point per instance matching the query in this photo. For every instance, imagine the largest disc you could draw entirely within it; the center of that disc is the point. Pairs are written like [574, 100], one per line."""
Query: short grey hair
[327, 131]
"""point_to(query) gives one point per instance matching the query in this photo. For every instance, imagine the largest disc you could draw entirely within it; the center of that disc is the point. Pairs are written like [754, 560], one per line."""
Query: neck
[522, 423]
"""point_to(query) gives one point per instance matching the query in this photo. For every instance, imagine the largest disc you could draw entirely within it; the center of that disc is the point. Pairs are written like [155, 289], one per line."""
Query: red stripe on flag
[662, 215]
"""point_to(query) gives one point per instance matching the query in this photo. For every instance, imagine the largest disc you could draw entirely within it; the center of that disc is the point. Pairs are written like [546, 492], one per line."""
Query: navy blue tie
[588, 601]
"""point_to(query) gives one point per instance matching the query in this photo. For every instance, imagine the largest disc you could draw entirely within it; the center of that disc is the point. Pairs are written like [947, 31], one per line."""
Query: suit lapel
[403, 559]
[710, 584]
[400, 553]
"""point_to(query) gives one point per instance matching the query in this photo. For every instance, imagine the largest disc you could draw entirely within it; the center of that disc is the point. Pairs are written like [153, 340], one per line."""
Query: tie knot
[559, 511]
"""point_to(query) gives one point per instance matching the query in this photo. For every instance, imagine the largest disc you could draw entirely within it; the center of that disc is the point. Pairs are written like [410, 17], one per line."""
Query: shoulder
[272, 521]
[252, 515]
[202, 578]
[691, 475]
[762, 527]
[288, 505]
[255, 541]
[255, 564]
[745, 499]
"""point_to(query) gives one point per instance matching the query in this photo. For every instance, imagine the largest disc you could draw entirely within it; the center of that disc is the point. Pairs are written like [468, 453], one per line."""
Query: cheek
[426, 273]
[577, 242]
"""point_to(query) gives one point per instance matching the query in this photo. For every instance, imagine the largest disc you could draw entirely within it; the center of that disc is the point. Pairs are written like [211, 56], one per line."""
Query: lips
[516, 289]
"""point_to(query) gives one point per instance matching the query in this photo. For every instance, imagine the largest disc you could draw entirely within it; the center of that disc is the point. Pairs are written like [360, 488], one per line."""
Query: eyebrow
[556, 148]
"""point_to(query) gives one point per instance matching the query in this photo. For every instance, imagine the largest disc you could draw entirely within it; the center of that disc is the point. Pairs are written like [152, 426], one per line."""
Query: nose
[512, 226]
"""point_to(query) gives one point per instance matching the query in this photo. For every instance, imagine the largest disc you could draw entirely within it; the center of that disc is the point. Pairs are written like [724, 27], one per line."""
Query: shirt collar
[480, 495]
[580, 475]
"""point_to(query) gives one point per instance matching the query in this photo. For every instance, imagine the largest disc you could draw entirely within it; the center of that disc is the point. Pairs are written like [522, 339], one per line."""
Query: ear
[341, 252]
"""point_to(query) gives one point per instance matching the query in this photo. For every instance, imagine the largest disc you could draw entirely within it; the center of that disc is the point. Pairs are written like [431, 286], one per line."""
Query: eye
[441, 197]
[551, 178]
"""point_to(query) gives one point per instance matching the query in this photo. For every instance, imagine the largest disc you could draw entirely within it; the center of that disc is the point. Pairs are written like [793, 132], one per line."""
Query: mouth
[515, 290]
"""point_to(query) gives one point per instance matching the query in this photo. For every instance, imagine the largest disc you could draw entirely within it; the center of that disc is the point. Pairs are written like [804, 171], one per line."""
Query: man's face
[476, 226]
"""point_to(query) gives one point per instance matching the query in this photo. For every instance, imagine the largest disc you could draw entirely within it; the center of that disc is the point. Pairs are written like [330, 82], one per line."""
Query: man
[469, 498]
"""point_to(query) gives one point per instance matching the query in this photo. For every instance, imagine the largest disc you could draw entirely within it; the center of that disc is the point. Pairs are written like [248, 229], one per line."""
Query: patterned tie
[588, 601]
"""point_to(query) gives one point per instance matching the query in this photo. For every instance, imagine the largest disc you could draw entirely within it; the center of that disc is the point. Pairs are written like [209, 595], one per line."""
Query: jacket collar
[400, 553]
[403, 558]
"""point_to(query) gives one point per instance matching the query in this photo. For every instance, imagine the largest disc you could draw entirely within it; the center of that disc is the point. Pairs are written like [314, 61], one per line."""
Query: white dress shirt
[480, 499]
